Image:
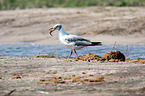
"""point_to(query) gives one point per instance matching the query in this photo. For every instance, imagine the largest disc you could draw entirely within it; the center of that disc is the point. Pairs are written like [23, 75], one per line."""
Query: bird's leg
[70, 53]
[76, 54]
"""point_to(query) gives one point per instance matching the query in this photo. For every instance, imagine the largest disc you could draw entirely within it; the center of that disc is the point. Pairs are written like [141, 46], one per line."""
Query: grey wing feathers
[79, 41]
[82, 43]
[74, 39]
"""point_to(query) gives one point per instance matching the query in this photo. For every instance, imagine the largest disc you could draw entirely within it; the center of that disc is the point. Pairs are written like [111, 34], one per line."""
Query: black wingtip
[96, 43]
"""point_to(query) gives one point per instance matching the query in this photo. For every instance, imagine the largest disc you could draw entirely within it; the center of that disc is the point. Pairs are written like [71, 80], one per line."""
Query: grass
[22, 4]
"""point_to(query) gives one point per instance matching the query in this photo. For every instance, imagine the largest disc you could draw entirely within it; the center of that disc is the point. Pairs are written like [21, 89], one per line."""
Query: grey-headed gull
[71, 41]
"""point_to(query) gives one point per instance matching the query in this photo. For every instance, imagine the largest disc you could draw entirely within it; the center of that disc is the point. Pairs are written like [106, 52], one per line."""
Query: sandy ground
[120, 79]
[106, 24]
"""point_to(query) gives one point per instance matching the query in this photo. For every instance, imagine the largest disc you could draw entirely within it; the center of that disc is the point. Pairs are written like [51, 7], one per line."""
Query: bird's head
[55, 27]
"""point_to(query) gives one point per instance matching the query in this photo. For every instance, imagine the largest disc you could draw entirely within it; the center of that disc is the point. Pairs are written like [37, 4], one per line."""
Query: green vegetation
[22, 4]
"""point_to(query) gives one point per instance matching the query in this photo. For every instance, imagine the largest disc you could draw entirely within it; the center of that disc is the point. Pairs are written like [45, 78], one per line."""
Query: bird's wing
[77, 40]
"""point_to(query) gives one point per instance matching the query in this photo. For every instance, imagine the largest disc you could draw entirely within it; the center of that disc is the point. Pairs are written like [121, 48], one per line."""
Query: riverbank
[122, 78]
[27, 76]
[106, 24]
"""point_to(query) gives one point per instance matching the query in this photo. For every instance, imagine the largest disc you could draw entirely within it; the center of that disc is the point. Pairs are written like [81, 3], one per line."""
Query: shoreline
[122, 78]
[25, 76]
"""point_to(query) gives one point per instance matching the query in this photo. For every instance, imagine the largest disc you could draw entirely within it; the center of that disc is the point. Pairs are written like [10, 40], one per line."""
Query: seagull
[73, 42]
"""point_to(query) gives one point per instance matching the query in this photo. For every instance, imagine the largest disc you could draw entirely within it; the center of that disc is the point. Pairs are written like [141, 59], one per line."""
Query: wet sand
[120, 79]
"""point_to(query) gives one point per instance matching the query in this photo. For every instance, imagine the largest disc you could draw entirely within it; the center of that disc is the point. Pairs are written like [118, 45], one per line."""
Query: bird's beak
[51, 30]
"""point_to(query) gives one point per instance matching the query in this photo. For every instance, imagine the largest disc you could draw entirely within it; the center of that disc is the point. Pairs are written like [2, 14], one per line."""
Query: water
[29, 50]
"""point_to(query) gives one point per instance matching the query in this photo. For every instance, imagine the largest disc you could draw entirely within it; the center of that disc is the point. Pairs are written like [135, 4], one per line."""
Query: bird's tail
[96, 43]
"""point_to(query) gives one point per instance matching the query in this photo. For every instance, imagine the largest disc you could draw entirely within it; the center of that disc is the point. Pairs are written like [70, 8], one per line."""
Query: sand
[106, 24]
[120, 79]
[125, 25]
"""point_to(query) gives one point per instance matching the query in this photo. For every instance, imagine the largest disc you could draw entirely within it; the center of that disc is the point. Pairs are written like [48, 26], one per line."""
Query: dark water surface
[30, 50]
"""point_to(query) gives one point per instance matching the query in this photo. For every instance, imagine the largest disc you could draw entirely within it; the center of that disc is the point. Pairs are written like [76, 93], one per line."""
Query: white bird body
[72, 41]
[63, 38]
[67, 44]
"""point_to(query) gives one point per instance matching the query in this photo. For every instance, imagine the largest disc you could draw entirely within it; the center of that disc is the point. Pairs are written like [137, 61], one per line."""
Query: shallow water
[30, 50]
